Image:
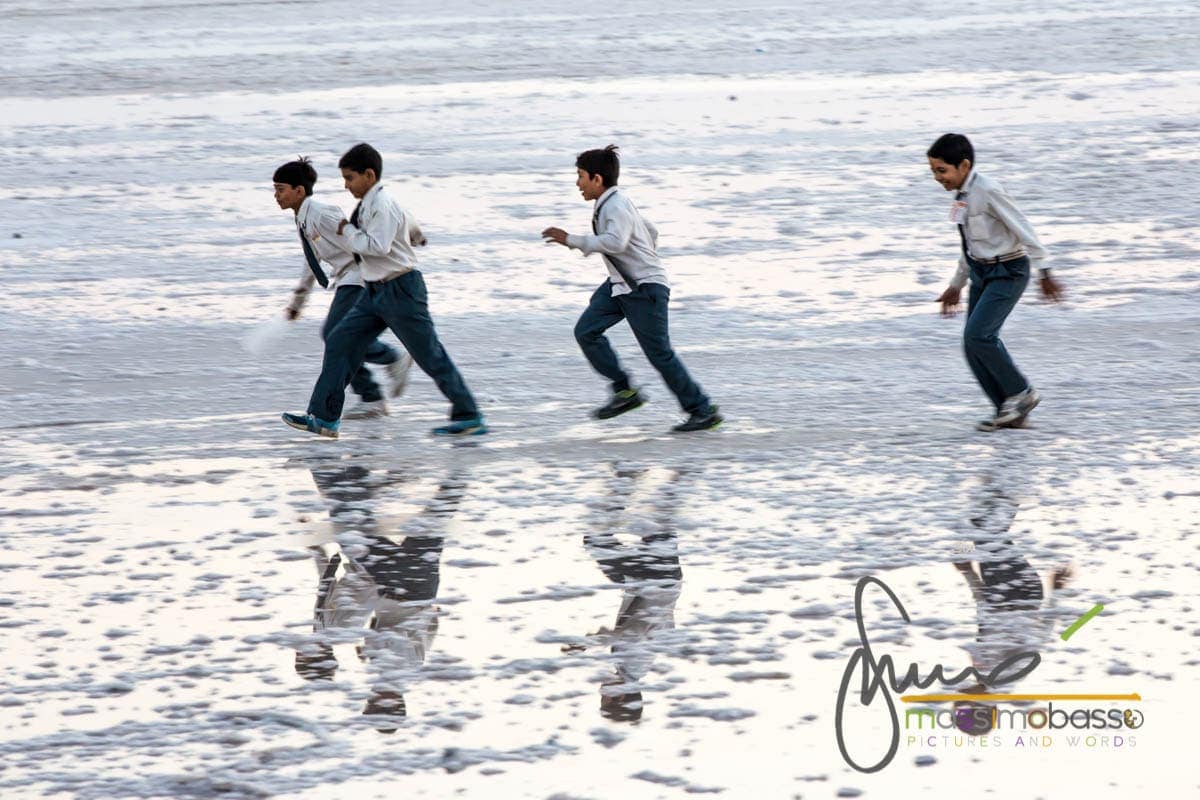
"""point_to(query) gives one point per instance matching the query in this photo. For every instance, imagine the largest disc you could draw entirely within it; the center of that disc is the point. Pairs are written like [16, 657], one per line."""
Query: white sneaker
[987, 425]
[1017, 407]
[397, 373]
[378, 408]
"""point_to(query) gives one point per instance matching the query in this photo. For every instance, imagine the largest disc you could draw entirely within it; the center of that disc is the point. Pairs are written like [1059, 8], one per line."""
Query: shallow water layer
[199, 602]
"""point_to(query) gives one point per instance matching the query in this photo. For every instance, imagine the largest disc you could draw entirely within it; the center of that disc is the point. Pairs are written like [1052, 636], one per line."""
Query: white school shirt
[317, 222]
[384, 237]
[994, 227]
[624, 234]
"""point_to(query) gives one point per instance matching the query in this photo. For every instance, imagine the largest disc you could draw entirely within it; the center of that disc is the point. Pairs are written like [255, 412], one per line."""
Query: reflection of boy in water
[1009, 599]
[650, 572]
[652, 578]
[386, 583]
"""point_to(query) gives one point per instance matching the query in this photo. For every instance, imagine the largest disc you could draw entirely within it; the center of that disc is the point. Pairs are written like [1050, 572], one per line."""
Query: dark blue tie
[354, 222]
[311, 258]
[962, 234]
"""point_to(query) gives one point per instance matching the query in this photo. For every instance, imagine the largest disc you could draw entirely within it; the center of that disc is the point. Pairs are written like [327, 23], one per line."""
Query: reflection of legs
[988, 308]
[404, 305]
[651, 575]
[394, 650]
[646, 310]
[601, 314]
[377, 352]
[315, 660]
[349, 491]
[406, 573]
[344, 351]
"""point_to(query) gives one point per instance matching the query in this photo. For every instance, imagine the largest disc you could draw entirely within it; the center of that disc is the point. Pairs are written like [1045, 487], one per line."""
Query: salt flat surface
[163, 536]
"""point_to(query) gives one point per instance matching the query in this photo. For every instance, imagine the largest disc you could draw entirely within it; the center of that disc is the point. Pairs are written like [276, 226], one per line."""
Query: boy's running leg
[982, 375]
[362, 382]
[986, 354]
[602, 313]
[646, 310]
[404, 306]
[344, 350]
[991, 302]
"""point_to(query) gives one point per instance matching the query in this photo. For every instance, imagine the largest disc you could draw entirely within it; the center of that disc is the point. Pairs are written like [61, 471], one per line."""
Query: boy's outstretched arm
[300, 295]
[416, 237]
[951, 299]
[1007, 212]
[555, 235]
[618, 228]
[1052, 290]
[614, 239]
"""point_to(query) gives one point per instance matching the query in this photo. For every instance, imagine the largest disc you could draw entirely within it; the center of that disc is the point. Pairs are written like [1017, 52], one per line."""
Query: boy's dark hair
[297, 173]
[952, 148]
[604, 163]
[361, 158]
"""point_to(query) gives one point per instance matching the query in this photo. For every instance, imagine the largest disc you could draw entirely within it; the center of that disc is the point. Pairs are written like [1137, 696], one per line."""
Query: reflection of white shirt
[384, 237]
[994, 227]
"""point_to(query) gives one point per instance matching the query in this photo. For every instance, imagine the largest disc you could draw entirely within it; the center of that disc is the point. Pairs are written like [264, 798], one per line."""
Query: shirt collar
[374, 190]
[966, 187]
[603, 197]
[302, 212]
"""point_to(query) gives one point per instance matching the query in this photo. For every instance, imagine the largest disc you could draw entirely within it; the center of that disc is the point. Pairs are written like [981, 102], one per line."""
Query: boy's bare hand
[291, 314]
[1052, 290]
[950, 301]
[555, 235]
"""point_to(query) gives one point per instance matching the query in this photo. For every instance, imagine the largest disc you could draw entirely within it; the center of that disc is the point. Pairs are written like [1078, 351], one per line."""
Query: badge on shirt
[958, 212]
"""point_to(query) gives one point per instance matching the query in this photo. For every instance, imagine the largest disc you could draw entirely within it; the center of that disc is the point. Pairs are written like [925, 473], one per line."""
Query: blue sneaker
[307, 422]
[473, 426]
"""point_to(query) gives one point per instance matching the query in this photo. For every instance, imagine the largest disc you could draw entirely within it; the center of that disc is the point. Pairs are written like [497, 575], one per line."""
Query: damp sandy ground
[163, 536]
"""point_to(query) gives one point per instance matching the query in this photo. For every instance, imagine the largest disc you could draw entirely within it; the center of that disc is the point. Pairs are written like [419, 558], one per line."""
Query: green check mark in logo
[1079, 623]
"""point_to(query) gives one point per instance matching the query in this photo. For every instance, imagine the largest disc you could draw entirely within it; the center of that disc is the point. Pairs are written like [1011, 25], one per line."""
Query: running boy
[317, 223]
[636, 290]
[999, 248]
[383, 234]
